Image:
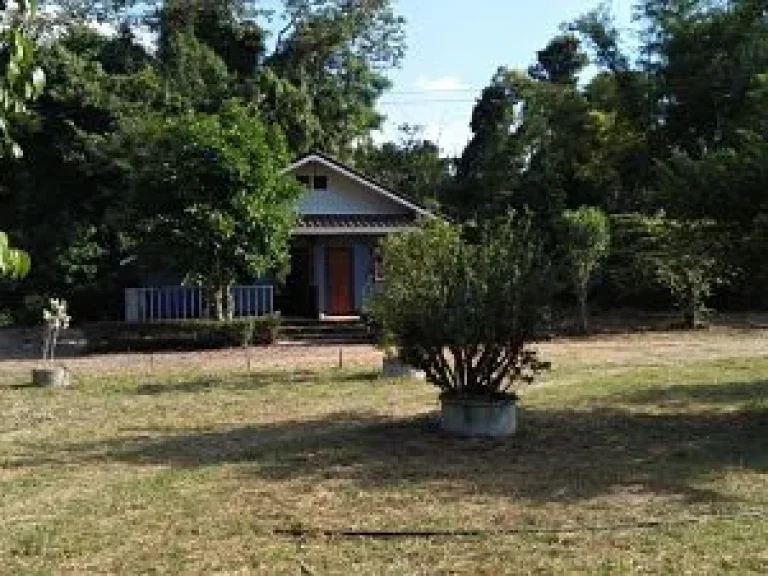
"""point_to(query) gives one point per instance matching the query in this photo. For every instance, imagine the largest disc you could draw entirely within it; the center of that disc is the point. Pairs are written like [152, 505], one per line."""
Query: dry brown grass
[191, 464]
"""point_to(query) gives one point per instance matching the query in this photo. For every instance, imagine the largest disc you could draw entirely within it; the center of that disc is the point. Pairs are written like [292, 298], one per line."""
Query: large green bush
[465, 312]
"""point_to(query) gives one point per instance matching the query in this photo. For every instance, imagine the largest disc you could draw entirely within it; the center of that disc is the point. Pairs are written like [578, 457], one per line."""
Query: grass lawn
[639, 467]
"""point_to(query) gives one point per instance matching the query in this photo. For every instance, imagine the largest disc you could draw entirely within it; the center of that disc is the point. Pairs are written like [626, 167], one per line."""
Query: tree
[465, 312]
[532, 136]
[687, 258]
[560, 62]
[329, 60]
[20, 81]
[210, 197]
[689, 263]
[412, 166]
[64, 196]
[586, 236]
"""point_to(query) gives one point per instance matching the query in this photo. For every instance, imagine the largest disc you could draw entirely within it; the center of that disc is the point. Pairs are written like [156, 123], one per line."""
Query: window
[321, 183]
[304, 180]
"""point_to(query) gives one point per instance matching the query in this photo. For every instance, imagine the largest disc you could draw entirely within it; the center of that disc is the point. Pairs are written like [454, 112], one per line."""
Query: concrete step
[331, 332]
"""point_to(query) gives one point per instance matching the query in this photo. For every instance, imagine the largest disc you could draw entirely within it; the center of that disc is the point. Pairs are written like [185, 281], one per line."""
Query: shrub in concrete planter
[463, 306]
[477, 416]
[56, 319]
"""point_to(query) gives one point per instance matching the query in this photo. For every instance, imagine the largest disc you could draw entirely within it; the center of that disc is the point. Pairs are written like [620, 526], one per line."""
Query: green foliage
[180, 335]
[210, 197]
[20, 81]
[729, 183]
[466, 312]
[13, 263]
[587, 238]
[20, 78]
[413, 166]
[196, 77]
[686, 257]
[690, 264]
[560, 62]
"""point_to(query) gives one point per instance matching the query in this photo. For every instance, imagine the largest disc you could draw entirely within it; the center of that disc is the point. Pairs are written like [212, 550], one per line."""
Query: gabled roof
[359, 223]
[360, 178]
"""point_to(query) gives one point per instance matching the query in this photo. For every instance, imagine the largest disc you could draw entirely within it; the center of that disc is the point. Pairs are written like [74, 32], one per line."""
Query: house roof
[361, 178]
[313, 224]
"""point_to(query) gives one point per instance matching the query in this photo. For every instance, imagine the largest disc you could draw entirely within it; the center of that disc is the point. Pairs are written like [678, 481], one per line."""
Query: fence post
[131, 305]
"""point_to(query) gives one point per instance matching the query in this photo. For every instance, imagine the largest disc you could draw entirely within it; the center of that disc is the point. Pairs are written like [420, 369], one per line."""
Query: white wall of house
[343, 196]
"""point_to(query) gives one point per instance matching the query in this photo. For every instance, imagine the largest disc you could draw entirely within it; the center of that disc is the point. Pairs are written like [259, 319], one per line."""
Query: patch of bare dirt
[652, 348]
[619, 350]
[273, 358]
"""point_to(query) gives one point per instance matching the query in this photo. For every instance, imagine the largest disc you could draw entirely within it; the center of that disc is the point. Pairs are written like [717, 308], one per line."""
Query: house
[343, 215]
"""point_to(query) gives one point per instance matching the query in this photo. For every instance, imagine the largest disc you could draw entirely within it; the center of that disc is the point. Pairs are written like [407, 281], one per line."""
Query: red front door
[339, 281]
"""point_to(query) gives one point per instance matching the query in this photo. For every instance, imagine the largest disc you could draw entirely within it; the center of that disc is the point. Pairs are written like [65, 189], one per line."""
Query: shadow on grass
[560, 455]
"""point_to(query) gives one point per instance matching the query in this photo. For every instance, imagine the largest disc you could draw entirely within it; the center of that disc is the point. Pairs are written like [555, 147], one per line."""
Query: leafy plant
[687, 258]
[689, 264]
[211, 198]
[466, 312]
[56, 319]
[20, 79]
[13, 263]
[587, 238]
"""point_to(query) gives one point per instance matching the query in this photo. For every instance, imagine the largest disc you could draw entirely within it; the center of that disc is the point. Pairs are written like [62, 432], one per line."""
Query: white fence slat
[151, 304]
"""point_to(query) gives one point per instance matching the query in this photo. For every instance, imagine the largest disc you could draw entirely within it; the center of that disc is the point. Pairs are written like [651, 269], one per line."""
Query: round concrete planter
[54, 377]
[478, 417]
[395, 368]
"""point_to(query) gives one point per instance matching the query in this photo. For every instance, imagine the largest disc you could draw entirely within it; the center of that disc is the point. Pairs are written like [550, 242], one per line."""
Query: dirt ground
[639, 349]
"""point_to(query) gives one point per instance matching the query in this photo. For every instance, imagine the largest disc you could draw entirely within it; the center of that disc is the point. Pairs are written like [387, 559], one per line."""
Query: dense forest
[664, 131]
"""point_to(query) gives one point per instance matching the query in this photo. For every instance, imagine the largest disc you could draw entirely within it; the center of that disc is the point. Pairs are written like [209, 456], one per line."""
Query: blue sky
[453, 52]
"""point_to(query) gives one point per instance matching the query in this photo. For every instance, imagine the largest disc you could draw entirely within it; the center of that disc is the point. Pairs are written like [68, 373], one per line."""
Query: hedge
[181, 335]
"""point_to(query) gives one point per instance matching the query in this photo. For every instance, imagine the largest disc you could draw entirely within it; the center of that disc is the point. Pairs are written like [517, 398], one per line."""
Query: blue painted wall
[362, 270]
[320, 275]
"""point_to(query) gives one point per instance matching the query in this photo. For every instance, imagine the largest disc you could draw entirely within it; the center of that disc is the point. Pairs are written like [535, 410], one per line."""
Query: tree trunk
[218, 303]
[230, 302]
[583, 312]
[691, 317]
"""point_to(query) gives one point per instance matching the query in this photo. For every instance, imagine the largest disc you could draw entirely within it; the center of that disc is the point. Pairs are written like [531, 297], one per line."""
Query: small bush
[465, 311]
[180, 334]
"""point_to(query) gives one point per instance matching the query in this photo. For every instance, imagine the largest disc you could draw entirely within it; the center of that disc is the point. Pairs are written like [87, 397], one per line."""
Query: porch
[329, 279]
[329, 276]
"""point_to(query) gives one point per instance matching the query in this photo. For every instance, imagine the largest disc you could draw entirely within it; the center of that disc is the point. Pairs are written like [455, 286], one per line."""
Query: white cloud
[452, 136]
[442, 84]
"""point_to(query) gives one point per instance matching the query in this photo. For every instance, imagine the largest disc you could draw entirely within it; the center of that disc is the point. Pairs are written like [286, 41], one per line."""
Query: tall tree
[20, 81]
[209, 196]
[329, 61]
[531, 134]
[20, 78]
[413, 165]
